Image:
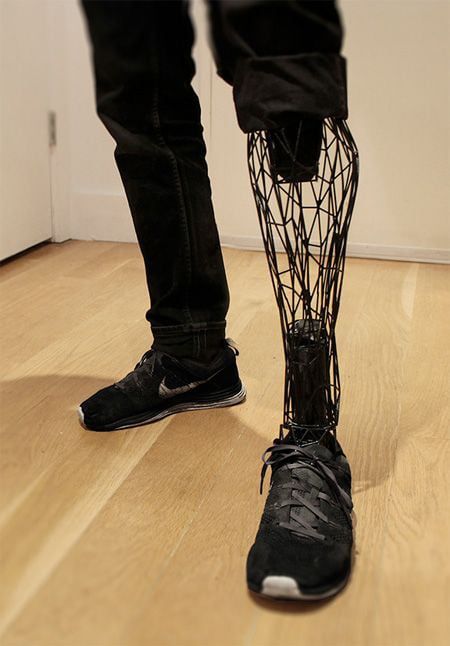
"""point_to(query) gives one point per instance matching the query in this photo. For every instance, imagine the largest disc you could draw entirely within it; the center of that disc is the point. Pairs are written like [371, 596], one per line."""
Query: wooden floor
[140, 537]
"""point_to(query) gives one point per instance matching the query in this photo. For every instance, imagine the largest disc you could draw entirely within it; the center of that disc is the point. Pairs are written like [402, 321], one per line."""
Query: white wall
[399, 93]
[398, 63]
[25, 197]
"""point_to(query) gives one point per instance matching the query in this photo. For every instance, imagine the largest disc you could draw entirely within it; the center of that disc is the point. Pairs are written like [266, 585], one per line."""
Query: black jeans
[143, 73]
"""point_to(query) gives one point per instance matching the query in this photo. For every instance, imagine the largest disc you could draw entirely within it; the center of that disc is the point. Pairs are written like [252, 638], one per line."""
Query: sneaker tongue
[318, 451]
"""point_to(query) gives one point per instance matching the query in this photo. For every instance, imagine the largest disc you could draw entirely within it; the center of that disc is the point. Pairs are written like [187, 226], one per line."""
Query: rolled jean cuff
[270, 91]
[191, 340]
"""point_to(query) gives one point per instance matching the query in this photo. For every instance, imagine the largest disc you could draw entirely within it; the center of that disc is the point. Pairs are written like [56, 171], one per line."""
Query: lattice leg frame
[305, 226]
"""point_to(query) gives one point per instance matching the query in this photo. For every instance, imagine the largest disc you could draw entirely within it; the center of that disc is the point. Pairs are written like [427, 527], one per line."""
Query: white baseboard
[356, 250]
[103, 216]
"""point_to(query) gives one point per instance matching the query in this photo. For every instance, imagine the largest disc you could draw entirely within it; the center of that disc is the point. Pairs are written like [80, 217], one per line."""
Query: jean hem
[186, 329]
[194, 340]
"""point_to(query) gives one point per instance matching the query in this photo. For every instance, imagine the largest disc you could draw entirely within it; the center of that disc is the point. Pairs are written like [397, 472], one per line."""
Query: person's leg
[283, 60]
[303, 546]
[143, 72]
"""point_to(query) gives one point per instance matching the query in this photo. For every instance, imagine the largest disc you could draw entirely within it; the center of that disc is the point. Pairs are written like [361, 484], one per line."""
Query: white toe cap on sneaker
[80, 415]
[282, 587]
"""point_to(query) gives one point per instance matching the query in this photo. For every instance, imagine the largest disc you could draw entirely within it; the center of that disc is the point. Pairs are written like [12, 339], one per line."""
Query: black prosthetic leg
[304, 180]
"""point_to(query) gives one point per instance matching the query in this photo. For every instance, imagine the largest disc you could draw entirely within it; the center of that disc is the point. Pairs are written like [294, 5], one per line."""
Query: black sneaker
[303, 546]
[161, 385]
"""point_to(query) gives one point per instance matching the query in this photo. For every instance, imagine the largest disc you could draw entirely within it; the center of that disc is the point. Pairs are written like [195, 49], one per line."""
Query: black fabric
[318, 562]
[282, 59]
[156, 384]
[315, 567]
[143, 72]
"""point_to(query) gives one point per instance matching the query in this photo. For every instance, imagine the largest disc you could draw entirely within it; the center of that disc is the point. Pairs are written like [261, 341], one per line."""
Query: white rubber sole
[178, 408]
[283, 587]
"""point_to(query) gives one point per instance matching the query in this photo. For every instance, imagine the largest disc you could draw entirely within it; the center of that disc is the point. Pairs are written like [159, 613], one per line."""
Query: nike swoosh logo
[164, 391]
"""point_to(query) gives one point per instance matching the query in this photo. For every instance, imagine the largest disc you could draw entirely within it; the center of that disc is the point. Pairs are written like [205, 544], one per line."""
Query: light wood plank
[414, 571]
[140, 537]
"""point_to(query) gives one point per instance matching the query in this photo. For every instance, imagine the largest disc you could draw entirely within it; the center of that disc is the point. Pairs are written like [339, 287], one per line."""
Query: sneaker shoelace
[150, 359]
[300, 458]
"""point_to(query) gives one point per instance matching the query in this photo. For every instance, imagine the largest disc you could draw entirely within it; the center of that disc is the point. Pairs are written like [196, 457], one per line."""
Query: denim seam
[196, 329]
[176, 175]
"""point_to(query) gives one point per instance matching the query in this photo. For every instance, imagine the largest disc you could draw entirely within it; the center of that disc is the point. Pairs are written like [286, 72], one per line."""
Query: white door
[25, 198]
